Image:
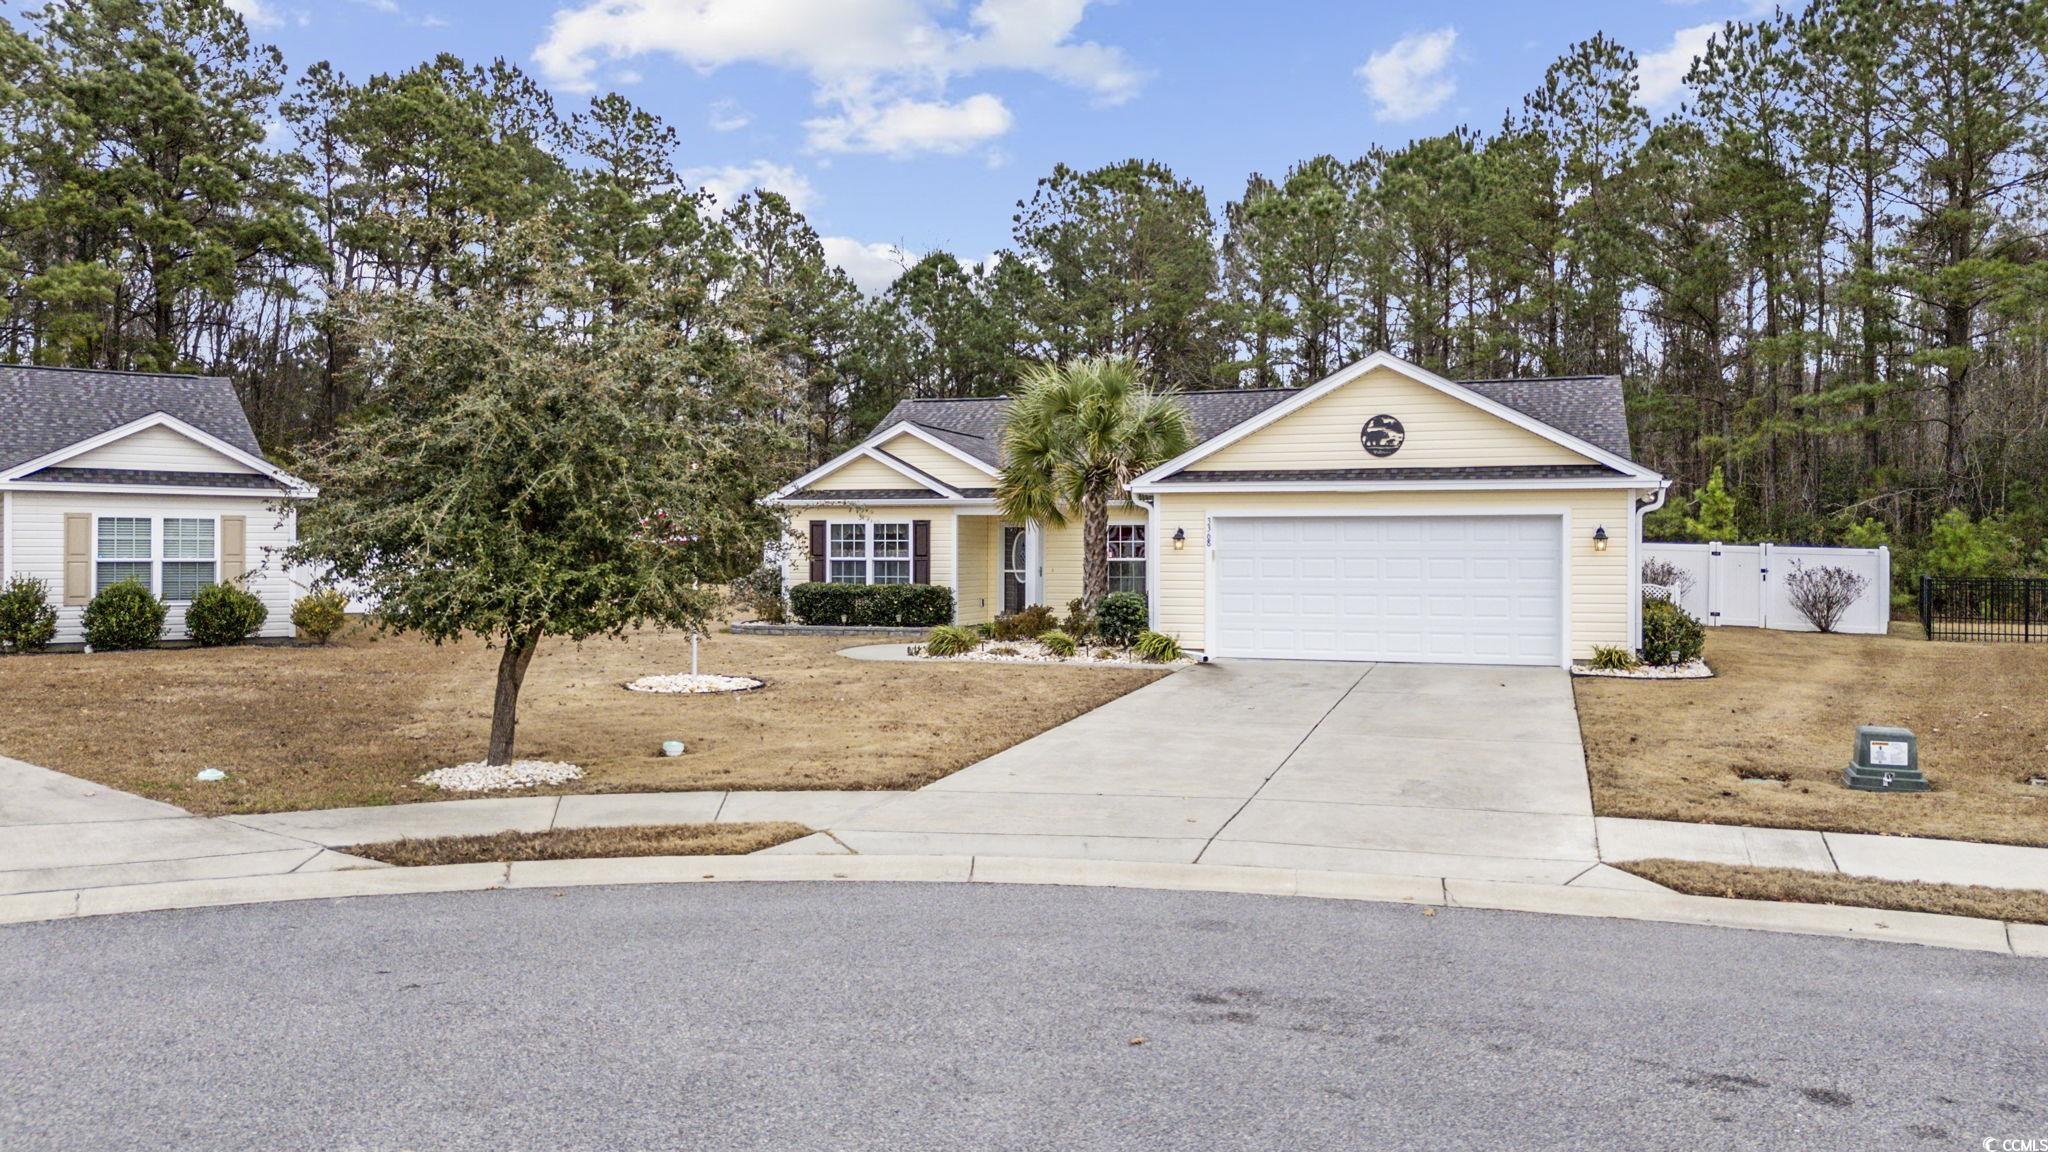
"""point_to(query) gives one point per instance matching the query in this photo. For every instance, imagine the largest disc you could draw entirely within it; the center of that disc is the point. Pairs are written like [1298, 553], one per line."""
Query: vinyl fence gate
[1743, 585]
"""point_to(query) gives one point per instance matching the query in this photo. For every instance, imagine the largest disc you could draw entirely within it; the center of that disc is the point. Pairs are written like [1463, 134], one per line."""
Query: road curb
[1956, 932]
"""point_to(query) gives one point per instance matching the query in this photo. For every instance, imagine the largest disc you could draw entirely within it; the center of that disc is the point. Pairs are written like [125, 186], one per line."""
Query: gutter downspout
[1153, 554]
[1641, 509]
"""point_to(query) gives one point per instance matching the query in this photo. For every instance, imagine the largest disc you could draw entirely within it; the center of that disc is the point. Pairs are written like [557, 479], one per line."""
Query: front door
[1013, 568]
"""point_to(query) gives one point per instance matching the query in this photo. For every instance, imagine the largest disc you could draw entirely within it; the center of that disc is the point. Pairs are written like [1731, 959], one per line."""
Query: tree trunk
[1094, 550]
[512, 663]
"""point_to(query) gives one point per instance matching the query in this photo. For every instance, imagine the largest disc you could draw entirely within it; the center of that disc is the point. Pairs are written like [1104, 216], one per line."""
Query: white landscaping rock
[1690, 670]
[478, 776]
[684, 683]
[1032, 652]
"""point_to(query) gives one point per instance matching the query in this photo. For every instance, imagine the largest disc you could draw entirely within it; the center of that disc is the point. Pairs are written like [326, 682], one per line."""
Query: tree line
[1820, 277]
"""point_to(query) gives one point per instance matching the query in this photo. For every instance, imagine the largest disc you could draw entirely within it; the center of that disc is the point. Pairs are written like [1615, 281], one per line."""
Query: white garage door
[1440, 589]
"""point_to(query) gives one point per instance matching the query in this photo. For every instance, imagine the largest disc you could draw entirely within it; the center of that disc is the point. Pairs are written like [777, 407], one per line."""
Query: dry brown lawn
[586, 843]
[355, 722]
[1790, 885]
[1764, 742]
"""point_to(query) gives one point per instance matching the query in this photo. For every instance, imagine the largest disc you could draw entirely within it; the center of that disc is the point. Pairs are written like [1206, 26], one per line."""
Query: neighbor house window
[1127, 558]
[858, 553]
[190, 559]
[123, 552]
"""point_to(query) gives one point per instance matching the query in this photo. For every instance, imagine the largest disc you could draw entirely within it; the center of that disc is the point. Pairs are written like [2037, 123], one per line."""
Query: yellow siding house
[1384, 513]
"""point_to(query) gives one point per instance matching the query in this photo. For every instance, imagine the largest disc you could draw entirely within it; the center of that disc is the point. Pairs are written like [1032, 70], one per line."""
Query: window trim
[1143, 559]
[867, 558]
[156, 547]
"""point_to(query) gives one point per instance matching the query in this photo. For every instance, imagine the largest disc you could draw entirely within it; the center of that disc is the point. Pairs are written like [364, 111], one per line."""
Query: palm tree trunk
[1094, 550]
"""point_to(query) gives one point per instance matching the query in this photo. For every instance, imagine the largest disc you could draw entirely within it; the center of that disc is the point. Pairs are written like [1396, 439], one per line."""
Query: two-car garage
[1427, 588]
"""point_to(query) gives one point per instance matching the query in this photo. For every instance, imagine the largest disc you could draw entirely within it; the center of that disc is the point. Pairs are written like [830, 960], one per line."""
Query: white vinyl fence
[1743, 585]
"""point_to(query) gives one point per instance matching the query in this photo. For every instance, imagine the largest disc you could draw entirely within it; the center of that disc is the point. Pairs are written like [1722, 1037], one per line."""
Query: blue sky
[918, 124]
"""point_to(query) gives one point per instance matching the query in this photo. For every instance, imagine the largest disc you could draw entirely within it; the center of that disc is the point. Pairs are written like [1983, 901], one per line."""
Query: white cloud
[256, 13]
[879, 67]
[873, 266]
[729, 182]
[1660, 76]
[728, 116]
[1407, 80]
[907, 127]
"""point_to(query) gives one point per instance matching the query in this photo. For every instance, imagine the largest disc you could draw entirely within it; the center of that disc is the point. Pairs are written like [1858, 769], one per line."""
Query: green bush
[1670, 634]
[319, 615]
[28, 622]
[1058, 643]
[1614, 658]
[1024, 623]
[1958, 546]
[124, 615]
[223, 614]
[1079, 622]
[1120, 617]
[881, 605]
[1156, 647]
[949, 640]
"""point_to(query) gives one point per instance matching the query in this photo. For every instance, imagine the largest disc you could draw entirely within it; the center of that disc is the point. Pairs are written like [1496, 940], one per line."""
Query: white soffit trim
[155, 420]
[1169, 488]
[1345, 375]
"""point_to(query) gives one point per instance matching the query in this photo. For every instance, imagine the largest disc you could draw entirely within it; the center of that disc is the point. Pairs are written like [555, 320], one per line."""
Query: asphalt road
[909, 1017]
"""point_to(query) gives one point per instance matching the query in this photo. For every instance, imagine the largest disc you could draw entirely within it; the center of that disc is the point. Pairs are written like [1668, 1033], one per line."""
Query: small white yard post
[693, 653]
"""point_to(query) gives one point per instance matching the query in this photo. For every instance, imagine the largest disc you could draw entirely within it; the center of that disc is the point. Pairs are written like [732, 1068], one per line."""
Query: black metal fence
[1984, 608]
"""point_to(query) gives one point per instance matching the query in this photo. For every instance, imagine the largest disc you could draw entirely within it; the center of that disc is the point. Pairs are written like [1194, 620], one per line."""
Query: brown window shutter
[77, 558]
[817, 551]
[920, 551]
[234, 544]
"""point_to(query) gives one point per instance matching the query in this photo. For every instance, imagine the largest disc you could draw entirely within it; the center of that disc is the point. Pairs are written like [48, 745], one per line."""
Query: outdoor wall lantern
[1600, 539]
[1180, 539]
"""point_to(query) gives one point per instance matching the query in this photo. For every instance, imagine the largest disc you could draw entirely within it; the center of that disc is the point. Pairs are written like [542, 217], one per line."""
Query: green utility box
[1886, 760]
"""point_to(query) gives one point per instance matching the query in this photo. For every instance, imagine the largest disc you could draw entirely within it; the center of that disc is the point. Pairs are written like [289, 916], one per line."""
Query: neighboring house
[1383, 513]
[156, 477]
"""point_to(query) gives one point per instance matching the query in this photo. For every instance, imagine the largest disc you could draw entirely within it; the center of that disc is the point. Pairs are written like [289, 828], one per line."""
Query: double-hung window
[124, 549]
[858, 553]
[1127, 558]
[173, 558]
[191, 557]
[847, 554]
[891, 563]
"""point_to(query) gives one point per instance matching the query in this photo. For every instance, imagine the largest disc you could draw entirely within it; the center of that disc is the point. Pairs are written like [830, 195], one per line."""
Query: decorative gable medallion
[1382, 436]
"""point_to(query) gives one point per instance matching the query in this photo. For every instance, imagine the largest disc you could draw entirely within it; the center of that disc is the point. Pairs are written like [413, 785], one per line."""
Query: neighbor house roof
[1589, 408]
[43, 410]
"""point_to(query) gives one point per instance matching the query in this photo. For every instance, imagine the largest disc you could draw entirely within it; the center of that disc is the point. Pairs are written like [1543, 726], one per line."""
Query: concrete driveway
[1415, 769]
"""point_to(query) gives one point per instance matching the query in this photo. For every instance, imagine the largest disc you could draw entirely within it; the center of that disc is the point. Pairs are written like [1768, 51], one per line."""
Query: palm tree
[1074, 436]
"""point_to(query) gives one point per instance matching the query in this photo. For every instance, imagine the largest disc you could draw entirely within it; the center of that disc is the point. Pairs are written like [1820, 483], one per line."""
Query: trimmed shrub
[1058, 643]
[1078, 623]
[223, 614]
[1614, 658]
[880, 605]
[319, 615]
[949, 640]
[28, 621]
[1120, 617]
[124, 616]
[1670, 634]
[1156, 647]
[1025, 623]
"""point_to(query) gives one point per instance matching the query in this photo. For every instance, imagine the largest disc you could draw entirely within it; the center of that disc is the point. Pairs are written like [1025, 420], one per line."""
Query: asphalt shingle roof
[1590, 408]
[45, 409]
[153, 477]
